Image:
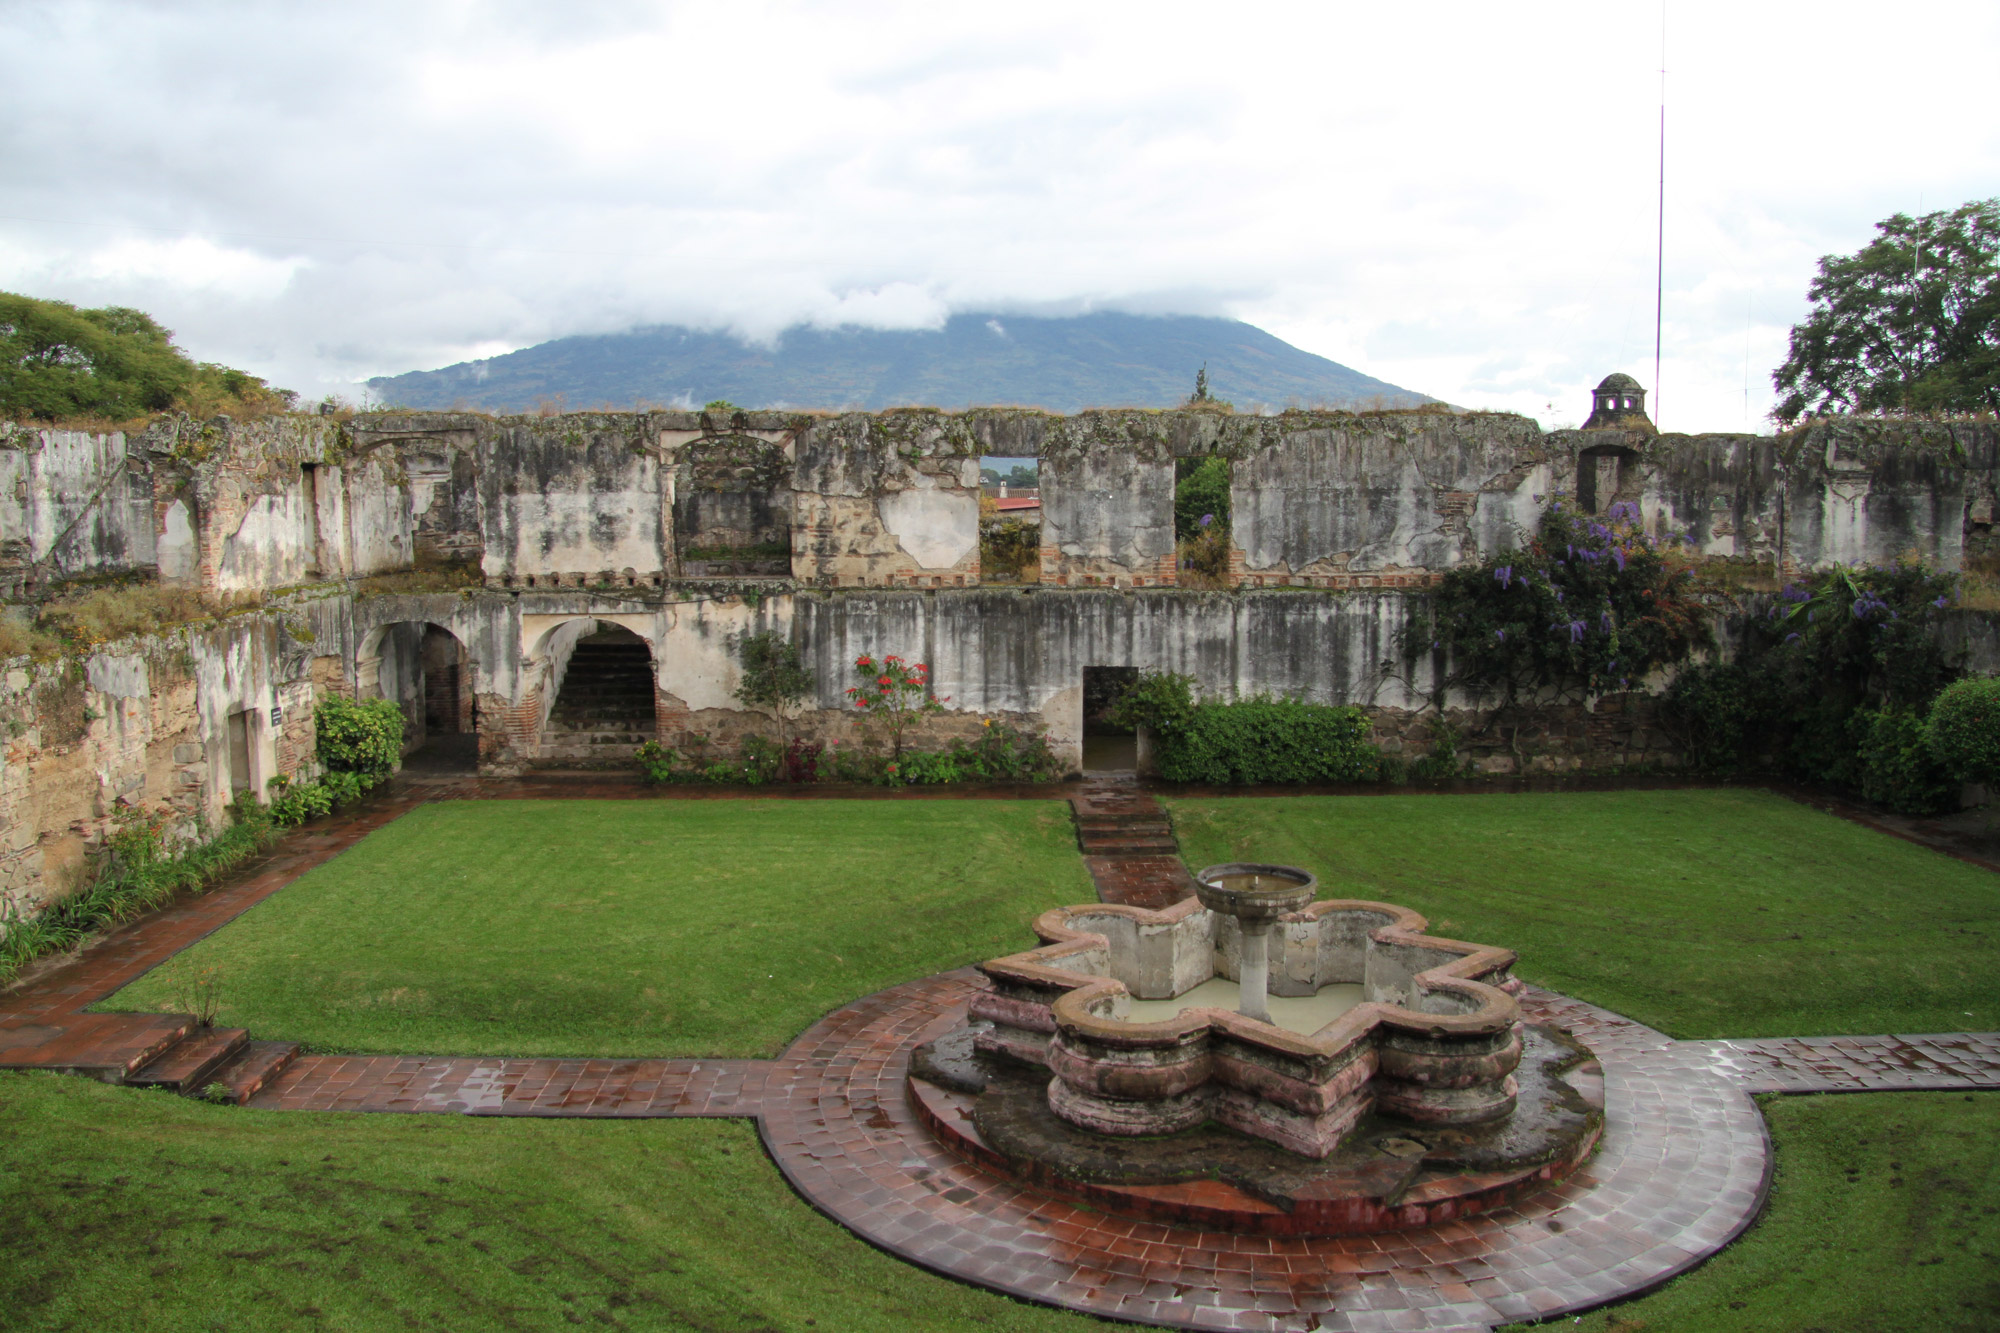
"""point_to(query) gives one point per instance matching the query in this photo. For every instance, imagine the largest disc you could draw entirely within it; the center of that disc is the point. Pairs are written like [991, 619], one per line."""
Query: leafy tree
[775, 676]
[1909, 323]
[59, 362]
[1200, 394]
[1201, 490]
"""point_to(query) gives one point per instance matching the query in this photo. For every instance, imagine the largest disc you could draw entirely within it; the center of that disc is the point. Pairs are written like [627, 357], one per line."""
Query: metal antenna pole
[1660, 239]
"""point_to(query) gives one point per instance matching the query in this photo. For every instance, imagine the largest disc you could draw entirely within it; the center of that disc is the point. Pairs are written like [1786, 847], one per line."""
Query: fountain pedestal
[1256, 895]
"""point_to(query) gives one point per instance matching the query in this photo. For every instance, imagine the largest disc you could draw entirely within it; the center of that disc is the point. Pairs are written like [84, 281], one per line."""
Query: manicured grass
[1718, 913]
[1884, 1217]
[630, 928]
[141, 1212]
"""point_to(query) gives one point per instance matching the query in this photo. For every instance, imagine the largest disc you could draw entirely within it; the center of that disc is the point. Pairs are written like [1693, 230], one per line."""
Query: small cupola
[1618, 404]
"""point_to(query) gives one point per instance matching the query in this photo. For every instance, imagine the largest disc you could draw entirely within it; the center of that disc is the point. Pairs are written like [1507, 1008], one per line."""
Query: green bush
[359, 738]
[1270, 740]
[1964, 730]
[1897, 767]
[1710, 710]
[1161, 702]
[293, 803]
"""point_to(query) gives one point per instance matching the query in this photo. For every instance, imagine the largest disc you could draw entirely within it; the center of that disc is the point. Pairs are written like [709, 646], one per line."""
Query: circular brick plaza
[1682, 1170]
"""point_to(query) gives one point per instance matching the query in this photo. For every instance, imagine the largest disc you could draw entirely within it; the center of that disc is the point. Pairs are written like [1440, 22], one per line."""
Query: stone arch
[430, 672]
[596, 694]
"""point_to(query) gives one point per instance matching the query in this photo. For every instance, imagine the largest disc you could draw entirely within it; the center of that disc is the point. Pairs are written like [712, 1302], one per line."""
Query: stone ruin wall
[520, 535]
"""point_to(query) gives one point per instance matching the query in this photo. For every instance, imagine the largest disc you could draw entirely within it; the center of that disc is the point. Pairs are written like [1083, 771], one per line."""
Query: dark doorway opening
[1107, 746]
[604, 710]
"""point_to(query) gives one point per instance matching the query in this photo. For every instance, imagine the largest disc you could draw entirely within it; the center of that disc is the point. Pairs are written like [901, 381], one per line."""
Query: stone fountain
[1323, 1066]
[1254, 897]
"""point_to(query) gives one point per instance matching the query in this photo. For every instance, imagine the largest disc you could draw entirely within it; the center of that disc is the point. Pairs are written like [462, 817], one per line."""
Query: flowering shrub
[896, 693]
[1587, 608]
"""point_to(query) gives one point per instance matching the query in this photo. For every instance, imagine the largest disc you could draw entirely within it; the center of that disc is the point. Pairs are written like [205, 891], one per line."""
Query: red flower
[862, 662]
[884, 681]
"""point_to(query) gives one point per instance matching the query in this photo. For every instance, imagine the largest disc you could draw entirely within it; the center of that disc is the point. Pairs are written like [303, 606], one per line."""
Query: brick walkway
[1683, 1168]
[1128, 844]
[1940, 1062]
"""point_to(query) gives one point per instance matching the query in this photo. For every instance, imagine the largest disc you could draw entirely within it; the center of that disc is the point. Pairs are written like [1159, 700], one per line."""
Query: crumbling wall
[71, 503]
[572, 506]
[139, 726]
[1107, 488]
[888, 500]
[732, 504]
[1382, 500]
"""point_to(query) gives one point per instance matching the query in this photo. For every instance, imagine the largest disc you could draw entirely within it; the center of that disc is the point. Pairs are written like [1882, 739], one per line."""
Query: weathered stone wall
[141, 726]
[71, 503]
[618, 500]
[888, 500]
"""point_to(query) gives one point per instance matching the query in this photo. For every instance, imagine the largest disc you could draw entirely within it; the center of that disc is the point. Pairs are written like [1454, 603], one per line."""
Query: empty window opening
[733, 509]
[1601, 474]
[1201, 520]
[1010, 520]
[309, 535]
[604, 709]
[1107, 746]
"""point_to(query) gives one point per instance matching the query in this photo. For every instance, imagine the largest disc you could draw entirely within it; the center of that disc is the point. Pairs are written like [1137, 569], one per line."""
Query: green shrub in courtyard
[1270, 740]
[1897, 767]
[1964, 730]
[359, 737]
[1253, 740]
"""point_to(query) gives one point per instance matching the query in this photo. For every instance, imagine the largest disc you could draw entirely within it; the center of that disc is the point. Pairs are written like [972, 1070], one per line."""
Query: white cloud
[1459, 199]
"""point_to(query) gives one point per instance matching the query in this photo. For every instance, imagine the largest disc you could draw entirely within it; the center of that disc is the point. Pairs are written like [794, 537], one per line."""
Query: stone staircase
[148, 1051]
[207, 1057]
[1128, 843]
[604, 711]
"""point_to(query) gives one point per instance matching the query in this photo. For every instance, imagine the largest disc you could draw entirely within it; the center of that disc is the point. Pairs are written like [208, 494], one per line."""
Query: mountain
[1062, 365]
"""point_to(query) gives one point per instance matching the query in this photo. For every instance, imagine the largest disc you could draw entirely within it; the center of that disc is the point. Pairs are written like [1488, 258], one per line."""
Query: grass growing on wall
[147, 1213]
[635, 928]
[1717, 913]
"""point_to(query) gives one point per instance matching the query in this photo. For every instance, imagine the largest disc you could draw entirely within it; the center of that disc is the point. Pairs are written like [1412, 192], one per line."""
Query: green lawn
[142, 1211]
[1703, 913]
[629, 928]
[1884, 1218]
[146, 1212]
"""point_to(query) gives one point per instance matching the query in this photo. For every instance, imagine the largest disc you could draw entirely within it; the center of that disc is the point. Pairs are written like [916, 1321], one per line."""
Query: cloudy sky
[1456, 198]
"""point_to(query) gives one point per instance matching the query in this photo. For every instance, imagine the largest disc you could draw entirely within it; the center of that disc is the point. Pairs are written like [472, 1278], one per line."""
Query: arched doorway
[427, 671]
[604, 707]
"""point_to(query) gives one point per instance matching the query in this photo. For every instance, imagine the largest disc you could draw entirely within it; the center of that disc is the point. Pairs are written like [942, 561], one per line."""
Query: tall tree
[59, 362]
[1909, 323]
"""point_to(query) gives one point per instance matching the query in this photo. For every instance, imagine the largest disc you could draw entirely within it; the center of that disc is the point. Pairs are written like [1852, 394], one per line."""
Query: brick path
[1682, 1170]
[1128, 844]
[1939, 1062]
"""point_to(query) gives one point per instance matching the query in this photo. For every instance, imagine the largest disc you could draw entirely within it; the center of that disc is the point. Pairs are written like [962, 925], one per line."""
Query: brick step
[1128, 846]
[595, 733]
[187, 1064]
[253, 1067]
[1151, 823]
